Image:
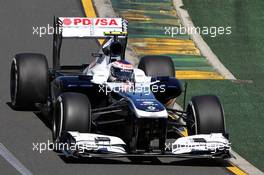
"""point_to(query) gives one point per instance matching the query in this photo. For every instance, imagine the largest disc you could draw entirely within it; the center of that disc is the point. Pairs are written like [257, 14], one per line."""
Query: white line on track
[12, 160]
[201, 44]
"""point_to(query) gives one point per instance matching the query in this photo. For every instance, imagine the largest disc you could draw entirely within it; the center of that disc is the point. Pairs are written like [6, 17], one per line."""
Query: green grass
[242, 53]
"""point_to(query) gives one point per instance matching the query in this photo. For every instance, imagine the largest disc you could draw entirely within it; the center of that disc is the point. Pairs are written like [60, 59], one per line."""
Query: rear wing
[79, 27]
[90, 27]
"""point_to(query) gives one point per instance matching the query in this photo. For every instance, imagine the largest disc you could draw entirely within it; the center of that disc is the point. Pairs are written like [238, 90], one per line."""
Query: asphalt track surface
[19, 130]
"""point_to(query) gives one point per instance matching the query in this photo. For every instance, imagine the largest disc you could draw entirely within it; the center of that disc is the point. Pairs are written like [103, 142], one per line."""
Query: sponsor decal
[67, 21]
[89, 21]
[148, 102]
[151, 108]
[122, 65]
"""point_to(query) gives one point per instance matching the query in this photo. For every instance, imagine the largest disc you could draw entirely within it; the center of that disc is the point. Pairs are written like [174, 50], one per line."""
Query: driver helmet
[121, 71]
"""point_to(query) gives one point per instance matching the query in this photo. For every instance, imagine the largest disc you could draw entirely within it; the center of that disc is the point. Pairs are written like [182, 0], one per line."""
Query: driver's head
[121, 71]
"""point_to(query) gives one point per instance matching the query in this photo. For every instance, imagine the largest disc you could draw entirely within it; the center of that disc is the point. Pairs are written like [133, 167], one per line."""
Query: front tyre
[72, 112]
[205, 115]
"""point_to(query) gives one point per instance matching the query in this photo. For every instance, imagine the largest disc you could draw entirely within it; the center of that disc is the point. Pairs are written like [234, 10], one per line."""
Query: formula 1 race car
[109, 108]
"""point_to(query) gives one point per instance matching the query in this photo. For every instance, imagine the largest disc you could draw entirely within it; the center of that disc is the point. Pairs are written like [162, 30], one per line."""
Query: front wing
[75, 144]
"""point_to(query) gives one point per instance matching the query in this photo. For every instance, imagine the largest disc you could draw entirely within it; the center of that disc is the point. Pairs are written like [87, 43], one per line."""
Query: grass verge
[242, 53]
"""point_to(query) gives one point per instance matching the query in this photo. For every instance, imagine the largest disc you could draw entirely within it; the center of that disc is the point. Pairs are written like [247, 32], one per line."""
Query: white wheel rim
[194, 117]
[61, 115]
[16, 82]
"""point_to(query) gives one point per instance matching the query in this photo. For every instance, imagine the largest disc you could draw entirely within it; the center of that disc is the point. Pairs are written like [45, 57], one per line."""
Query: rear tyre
[72, 112]
[207, 115]
[29, 82]
[157, 66]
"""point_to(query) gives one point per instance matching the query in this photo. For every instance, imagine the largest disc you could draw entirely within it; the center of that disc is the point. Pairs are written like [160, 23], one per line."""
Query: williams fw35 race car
[110, 108]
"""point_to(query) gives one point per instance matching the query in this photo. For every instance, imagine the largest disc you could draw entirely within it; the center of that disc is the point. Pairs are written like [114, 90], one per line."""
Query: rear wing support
[57, 41]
